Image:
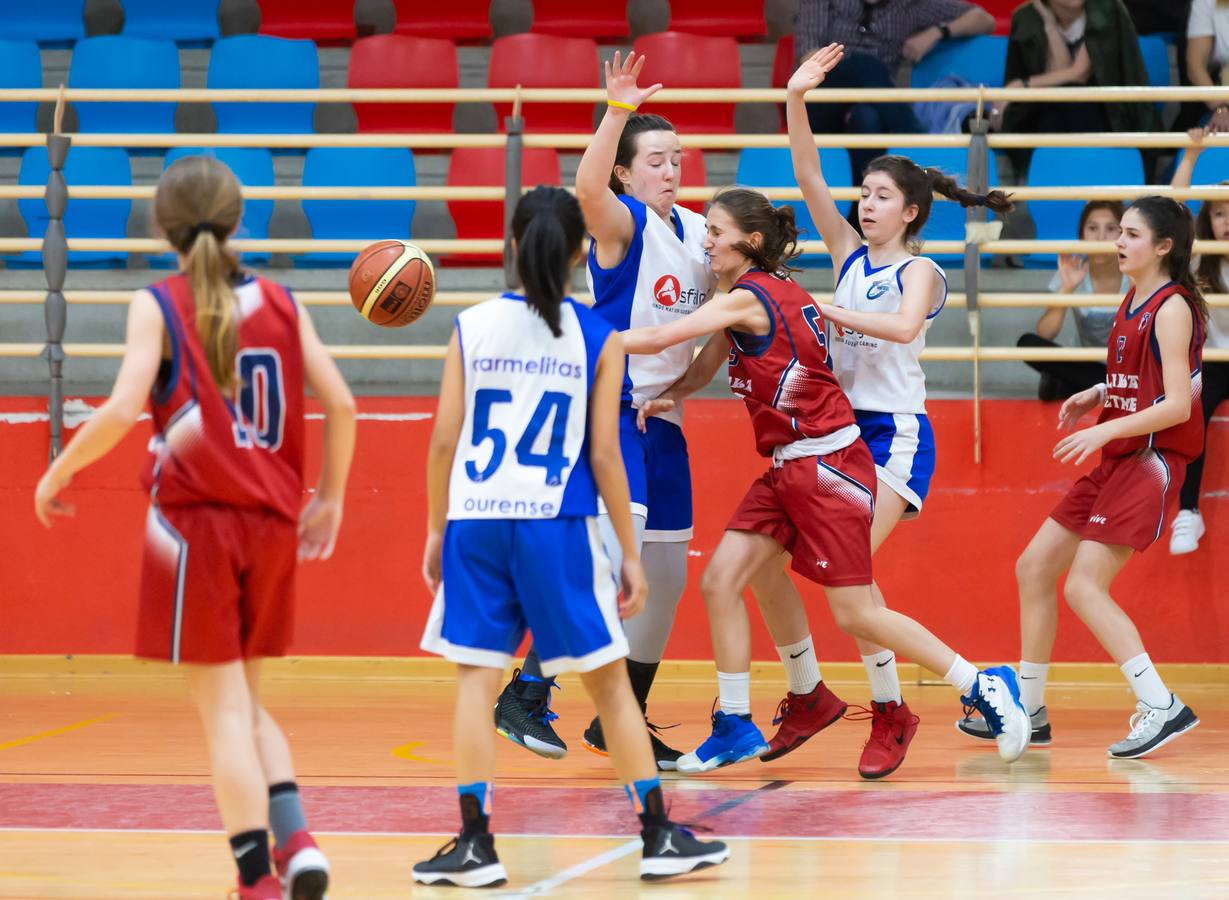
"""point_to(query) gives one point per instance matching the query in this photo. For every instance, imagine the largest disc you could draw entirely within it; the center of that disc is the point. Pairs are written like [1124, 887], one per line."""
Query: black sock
[532, 665]
[642, 675]
[472, 819]
[251, 852]
[654, 815]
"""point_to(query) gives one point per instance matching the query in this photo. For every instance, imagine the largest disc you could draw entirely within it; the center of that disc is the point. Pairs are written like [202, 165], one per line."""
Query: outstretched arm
[725, 311]
[840, 237]
[1186, 168]
[920, 285]
[697, 377]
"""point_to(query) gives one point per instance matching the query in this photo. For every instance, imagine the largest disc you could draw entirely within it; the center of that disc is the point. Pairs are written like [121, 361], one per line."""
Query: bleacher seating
[1155, 51]
[402, 61]
[454, 20]
[691, 61]
[356, 219]
[484, 166]
[721, 18]
[53, 23]
[978, 60]
[260, 61]
[1001, 10]
[771, 167]
[116, 61]
[187, 22]
[947, 219]
[82, 218]
[545, 61]
[322, 21]
[20, 67]
[598, 19]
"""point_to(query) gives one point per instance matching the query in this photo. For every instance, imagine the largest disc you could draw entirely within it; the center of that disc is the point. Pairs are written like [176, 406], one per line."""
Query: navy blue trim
[849, 261]
[294, 304]
[835, 471]
[171, 320]
[1131, 315]
[756, 344]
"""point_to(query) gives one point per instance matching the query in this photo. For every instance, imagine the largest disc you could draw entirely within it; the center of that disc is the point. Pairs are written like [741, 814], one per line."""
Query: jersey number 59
[553, 460]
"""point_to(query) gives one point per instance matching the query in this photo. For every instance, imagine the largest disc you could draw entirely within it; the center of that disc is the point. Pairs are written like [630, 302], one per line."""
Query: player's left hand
[653, 407]
[635, 588]
[46, 503]
[318, 526]
[1077, 447]
[432, 553]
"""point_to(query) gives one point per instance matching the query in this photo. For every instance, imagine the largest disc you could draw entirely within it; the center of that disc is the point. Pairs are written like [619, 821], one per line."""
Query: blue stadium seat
[259, 61]
[190, 23]
[356, 219]
[771, 167]
[1057, 220]
[253, 166]
[947, 219]
[20, 67]
[113, 61]
[53, 23]
[82, 218]
[978, 60]
[1155, 51]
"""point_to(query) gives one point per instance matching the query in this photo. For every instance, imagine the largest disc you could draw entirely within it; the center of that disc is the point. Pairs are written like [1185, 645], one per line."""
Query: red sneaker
[893, 726]
[265, 889]
[302, 867]
[801, 716]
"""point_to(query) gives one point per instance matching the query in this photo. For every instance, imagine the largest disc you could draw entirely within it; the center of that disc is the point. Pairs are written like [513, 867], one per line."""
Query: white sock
[1144, 679]
[734, 693]
[801, 666]
[962, 675]
[1033, 685]
[885, 681]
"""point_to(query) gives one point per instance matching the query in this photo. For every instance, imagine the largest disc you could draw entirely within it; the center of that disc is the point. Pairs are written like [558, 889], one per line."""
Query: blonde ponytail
[211, 267]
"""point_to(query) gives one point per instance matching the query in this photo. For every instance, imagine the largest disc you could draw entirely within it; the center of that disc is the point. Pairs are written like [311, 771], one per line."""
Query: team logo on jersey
[1143, 320]
[878, 289]
[667, 290]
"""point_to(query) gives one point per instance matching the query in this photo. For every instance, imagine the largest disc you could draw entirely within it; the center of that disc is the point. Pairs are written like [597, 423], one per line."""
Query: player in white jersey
[646, 267]
[525, 439]
[885, 299]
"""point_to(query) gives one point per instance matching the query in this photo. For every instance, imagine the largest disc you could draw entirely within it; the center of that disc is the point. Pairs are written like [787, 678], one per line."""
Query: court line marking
[406, 752]
[55, 732]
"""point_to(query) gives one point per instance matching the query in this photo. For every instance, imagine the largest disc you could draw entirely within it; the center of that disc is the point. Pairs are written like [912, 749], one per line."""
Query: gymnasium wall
[73, 589]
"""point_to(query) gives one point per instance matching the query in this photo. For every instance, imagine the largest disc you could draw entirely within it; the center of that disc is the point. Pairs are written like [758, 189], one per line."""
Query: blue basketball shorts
[903, 447]
[502, 577]
[658, 476]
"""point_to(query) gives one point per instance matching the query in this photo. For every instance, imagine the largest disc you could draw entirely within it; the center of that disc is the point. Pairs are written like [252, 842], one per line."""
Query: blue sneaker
[996, 695]
[734, 739]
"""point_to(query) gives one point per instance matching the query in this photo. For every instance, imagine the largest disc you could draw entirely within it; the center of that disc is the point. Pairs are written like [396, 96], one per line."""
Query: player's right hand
[652, 408]
[635, 588]
[621, 78]
[432, 554]
[319, 523]
[1077, 406]
[815, 68]
[46, 503]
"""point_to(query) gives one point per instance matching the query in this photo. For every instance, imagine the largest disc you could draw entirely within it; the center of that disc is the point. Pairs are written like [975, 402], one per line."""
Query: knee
[854, 620]
[1033, 569]
[717, 585]
[1080, 592]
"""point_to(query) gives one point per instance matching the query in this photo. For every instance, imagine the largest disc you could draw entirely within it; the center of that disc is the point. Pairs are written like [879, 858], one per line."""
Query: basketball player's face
[882, 211]
[1138, 252]
[722, 235]
[653, 178]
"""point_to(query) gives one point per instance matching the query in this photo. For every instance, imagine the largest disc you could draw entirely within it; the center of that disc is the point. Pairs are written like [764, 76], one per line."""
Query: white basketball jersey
[664, 275]
[878, 375]
[523, 451]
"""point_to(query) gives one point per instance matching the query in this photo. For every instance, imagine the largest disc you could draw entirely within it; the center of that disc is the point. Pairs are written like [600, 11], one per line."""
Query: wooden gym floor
[104, 795]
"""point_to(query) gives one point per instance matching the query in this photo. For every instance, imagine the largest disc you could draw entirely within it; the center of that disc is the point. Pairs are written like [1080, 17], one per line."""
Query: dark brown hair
[920, 185]
[1114, 207]
[752, 212]
[197, 205]
[1167, 218]
[1209, 269]
[637, 124]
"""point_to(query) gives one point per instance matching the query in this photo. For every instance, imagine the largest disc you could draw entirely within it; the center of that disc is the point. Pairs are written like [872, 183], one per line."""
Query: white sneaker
[1188, 529]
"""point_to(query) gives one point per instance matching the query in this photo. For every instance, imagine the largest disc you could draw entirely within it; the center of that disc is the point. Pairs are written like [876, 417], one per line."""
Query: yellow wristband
[617, 104]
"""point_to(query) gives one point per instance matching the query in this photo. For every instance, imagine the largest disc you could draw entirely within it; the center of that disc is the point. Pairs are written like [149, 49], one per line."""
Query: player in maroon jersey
[816, 501]
[222, 361]
[1150, 426]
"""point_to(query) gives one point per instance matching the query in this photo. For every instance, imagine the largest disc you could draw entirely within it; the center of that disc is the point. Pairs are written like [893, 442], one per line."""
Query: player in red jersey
[222, 361]
[816, 501]
[1148, 429]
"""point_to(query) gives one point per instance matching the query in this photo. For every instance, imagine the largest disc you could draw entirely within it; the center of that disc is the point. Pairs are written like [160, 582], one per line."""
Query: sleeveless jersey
[1134, 380]
[664, 275]
[784, 376]
[524, 450]
[245, 450]
[878, 375]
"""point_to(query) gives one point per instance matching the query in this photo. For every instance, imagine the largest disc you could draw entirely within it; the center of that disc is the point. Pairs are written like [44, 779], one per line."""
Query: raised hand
[621, 76]
[1072, 268]
[815, 68]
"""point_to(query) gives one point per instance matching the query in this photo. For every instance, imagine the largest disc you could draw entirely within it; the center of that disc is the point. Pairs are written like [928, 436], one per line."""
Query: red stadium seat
[694, 175]
[721, 18]
[545, 61]
[691, 61]
[401, 61]
[323, 21]
[591, 19]
[454, 20]
[1001, 10]
[484, 219]
[783, 68]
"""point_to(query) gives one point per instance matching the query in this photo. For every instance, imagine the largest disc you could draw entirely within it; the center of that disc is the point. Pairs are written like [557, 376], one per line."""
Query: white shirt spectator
[1211, 19]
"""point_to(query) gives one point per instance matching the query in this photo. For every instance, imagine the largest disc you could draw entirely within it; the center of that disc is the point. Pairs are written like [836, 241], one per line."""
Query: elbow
[342, 408]
[983, 22]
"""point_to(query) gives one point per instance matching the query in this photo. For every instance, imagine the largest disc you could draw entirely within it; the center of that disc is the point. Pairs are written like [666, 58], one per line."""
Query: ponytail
[211, 267]
[947, 186]
[1167, 218]
[752, 212]
[549, 228]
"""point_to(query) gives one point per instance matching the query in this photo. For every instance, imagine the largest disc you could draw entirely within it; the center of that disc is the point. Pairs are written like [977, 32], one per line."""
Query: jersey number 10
[553, 460]
[259, 420]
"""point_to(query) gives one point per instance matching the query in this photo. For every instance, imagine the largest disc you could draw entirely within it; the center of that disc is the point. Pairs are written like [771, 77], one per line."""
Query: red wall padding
[73, 589]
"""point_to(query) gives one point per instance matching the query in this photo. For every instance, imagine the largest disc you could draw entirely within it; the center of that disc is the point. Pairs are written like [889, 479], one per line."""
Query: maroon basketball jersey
[784, 376]
[1134, 379]
[245, 450]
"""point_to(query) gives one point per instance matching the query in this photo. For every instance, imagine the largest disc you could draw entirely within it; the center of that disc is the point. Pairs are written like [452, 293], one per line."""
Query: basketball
[392, 283]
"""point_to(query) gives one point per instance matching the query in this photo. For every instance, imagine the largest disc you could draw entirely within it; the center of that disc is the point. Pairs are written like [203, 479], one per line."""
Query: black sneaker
[523, 715]
[666, 756]
[465, 861]
[670, 849]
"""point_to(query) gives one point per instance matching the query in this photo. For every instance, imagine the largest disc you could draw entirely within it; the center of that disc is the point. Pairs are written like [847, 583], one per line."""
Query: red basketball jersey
[1134, 379]
[246, 450]
[784, 377]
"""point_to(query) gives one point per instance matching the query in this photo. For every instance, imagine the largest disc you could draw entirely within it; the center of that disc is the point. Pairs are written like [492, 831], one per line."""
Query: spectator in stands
[1212, 272]
[877, 34]
[1081, 275]
[1207, 52]
[1168, 18]
[1057, 43]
